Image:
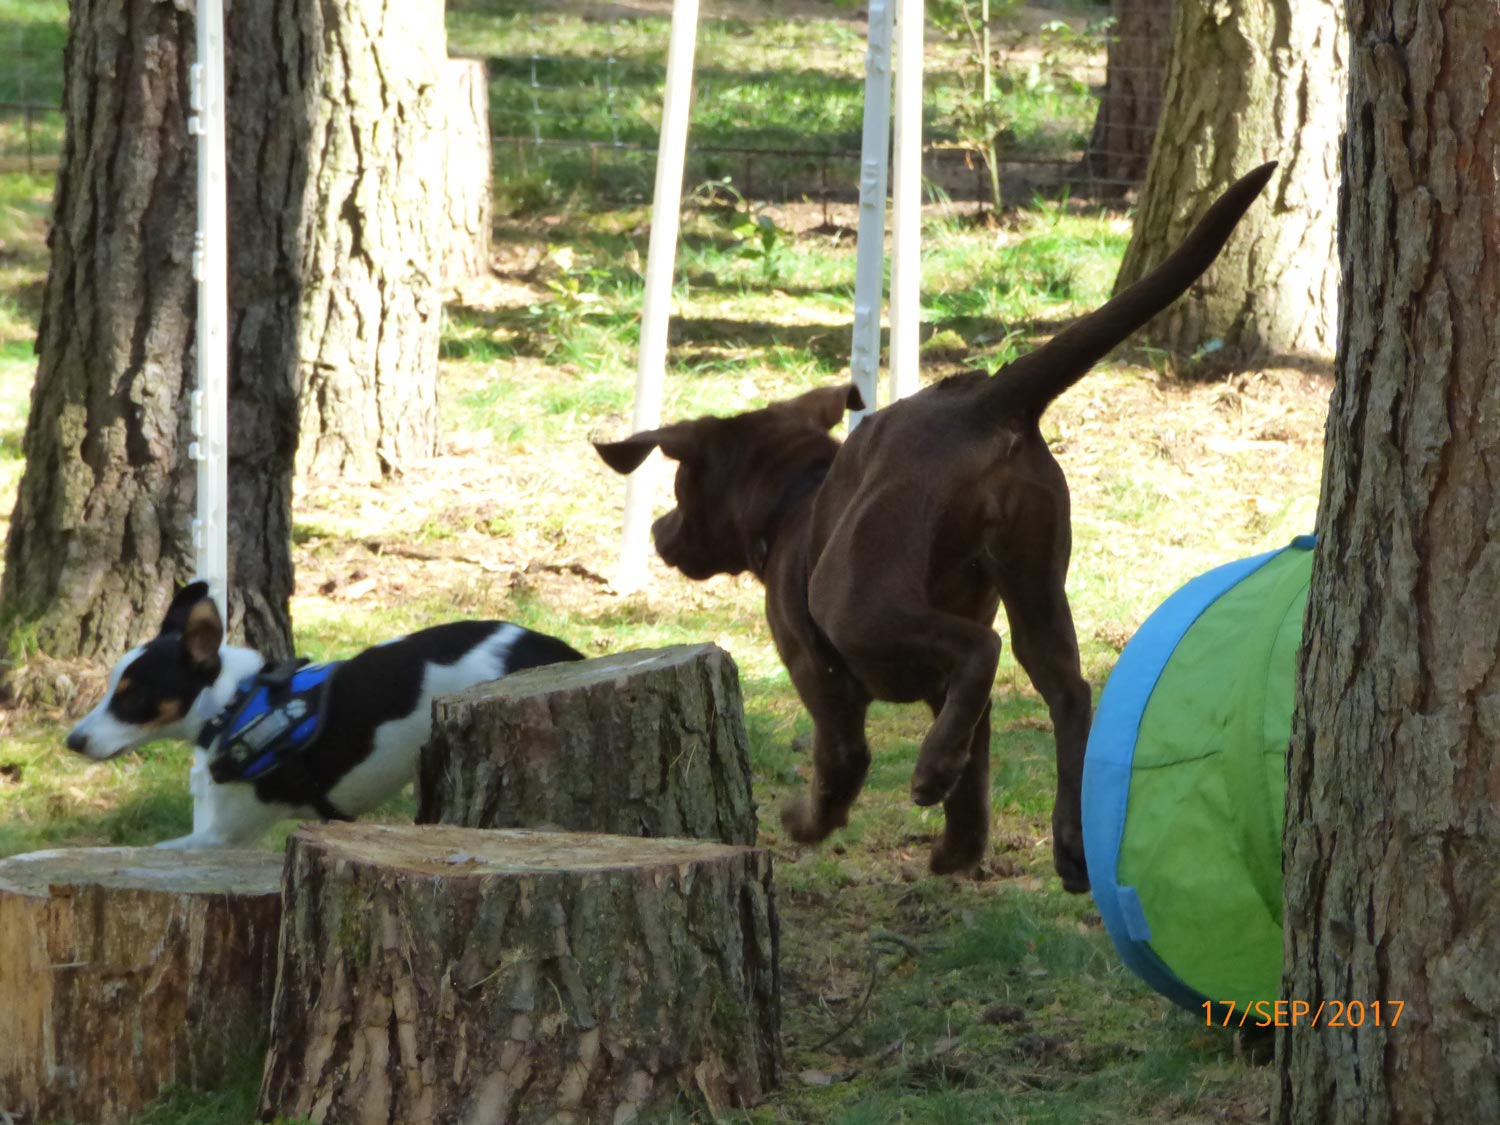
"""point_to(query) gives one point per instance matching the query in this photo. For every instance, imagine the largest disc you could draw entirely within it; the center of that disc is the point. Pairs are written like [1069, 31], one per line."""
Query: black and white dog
[329, 741]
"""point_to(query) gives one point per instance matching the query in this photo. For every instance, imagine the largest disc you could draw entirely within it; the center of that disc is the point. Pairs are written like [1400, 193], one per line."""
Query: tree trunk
[1392, 834]
[267, 166]
[638, 744]
[467, 195]
[370, 303]
[102, 524]
[437, 974]
[1125, 127]
[1247, 81]
[127, 970]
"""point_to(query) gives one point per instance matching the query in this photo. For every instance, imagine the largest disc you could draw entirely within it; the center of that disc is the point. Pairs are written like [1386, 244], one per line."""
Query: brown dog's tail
[1026, 386]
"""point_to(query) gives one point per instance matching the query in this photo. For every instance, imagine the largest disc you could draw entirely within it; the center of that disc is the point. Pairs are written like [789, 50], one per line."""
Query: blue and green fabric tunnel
[1185, 779]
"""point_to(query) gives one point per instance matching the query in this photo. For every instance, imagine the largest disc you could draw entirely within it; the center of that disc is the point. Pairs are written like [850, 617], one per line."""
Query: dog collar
[275, 716]
[809, 480]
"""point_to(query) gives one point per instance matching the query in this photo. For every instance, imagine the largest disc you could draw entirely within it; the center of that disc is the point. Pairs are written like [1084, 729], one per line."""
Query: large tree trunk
[468, 195]
[1247, 81]
[102, 523]
[438, 974]
[1125, 127]
[267, 158]
[638, 744]
[127, 970]
[371, 305]
[1392, 836]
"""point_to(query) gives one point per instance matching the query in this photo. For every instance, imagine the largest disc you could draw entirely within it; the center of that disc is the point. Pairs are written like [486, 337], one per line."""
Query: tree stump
[467, 198]
[441, 974]
[648, 743]
[126, 970]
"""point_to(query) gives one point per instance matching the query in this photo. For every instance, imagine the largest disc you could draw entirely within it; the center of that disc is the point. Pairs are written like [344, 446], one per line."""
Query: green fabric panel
[1202, 840]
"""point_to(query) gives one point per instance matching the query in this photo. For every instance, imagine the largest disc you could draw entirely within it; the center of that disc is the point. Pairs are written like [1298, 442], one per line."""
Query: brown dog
[886, 560]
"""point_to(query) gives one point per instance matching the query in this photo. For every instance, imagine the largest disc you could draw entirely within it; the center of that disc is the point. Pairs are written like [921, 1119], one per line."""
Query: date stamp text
[1301, 1013]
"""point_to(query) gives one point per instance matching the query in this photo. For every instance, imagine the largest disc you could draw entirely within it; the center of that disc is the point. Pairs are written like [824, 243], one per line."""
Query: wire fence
[1075, 103]
[1074, 106]
[31, 120]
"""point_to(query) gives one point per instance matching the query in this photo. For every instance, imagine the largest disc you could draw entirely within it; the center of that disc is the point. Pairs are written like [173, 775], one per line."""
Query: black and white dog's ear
[826, 405]
[182, 604]
[202, 634]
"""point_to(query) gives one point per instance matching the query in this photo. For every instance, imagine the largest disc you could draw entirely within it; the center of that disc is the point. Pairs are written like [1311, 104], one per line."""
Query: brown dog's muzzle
[666, 533]
[670, 536]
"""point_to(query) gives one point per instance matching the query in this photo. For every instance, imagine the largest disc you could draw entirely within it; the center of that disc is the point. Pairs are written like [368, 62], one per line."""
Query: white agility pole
[210, 401]
[906, 203]
[874, 156]
[656, 307]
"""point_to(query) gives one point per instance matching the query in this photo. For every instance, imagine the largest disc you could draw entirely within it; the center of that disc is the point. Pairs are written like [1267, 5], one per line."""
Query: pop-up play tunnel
[1185, 778]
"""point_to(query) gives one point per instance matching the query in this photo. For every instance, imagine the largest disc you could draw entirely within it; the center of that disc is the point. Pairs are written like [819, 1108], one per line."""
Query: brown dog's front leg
[841, 759]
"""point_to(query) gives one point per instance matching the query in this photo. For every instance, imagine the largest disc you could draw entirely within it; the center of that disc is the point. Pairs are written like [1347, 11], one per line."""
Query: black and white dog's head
[155, 689]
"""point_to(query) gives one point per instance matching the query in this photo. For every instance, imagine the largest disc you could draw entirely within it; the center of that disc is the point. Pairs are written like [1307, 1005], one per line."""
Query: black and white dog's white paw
[331, 741]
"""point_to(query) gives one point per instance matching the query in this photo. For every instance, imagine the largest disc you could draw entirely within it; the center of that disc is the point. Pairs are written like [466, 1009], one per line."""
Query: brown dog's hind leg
[968, 654]
[966, 809]
[1046, 645]
[909, 652]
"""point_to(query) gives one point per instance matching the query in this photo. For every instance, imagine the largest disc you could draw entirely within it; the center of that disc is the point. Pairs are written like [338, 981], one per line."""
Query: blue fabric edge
[1111, 754]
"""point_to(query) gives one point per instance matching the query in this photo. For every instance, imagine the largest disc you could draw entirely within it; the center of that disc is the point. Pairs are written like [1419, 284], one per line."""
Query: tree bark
[127, 970]
[371, 308]
[1392, 834]
[468, 198]
[1119, 150]
[445, 974]
[268, 106]
[637, 744]
[1248, 81]
[102, 526]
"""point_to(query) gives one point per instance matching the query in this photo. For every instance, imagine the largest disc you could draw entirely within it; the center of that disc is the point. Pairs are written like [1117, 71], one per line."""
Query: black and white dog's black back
[377, 713]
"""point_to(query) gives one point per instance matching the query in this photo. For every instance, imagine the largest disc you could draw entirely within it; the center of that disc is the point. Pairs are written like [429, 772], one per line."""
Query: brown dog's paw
[950, 857]
[1067, 854]
[802, 824]
[1072, 870]
[931, 787]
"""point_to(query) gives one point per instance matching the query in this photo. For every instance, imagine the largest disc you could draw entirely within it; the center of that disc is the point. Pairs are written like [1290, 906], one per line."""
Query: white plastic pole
[906, 202]
[210, 402]
[874, 155]
[656, 308]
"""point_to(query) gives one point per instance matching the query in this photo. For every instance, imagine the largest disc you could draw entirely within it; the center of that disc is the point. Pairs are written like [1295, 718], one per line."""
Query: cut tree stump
[441, 974]
[126, 970]
[648, 743]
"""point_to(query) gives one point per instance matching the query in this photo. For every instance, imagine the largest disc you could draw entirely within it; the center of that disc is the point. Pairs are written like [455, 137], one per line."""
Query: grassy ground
[908, 998]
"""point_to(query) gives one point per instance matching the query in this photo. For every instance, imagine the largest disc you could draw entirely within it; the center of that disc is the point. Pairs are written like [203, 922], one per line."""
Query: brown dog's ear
[828, 404]
[202, 634]
[677, 441]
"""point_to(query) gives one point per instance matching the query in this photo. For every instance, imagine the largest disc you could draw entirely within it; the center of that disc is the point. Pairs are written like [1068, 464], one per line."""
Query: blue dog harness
[273, 720]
